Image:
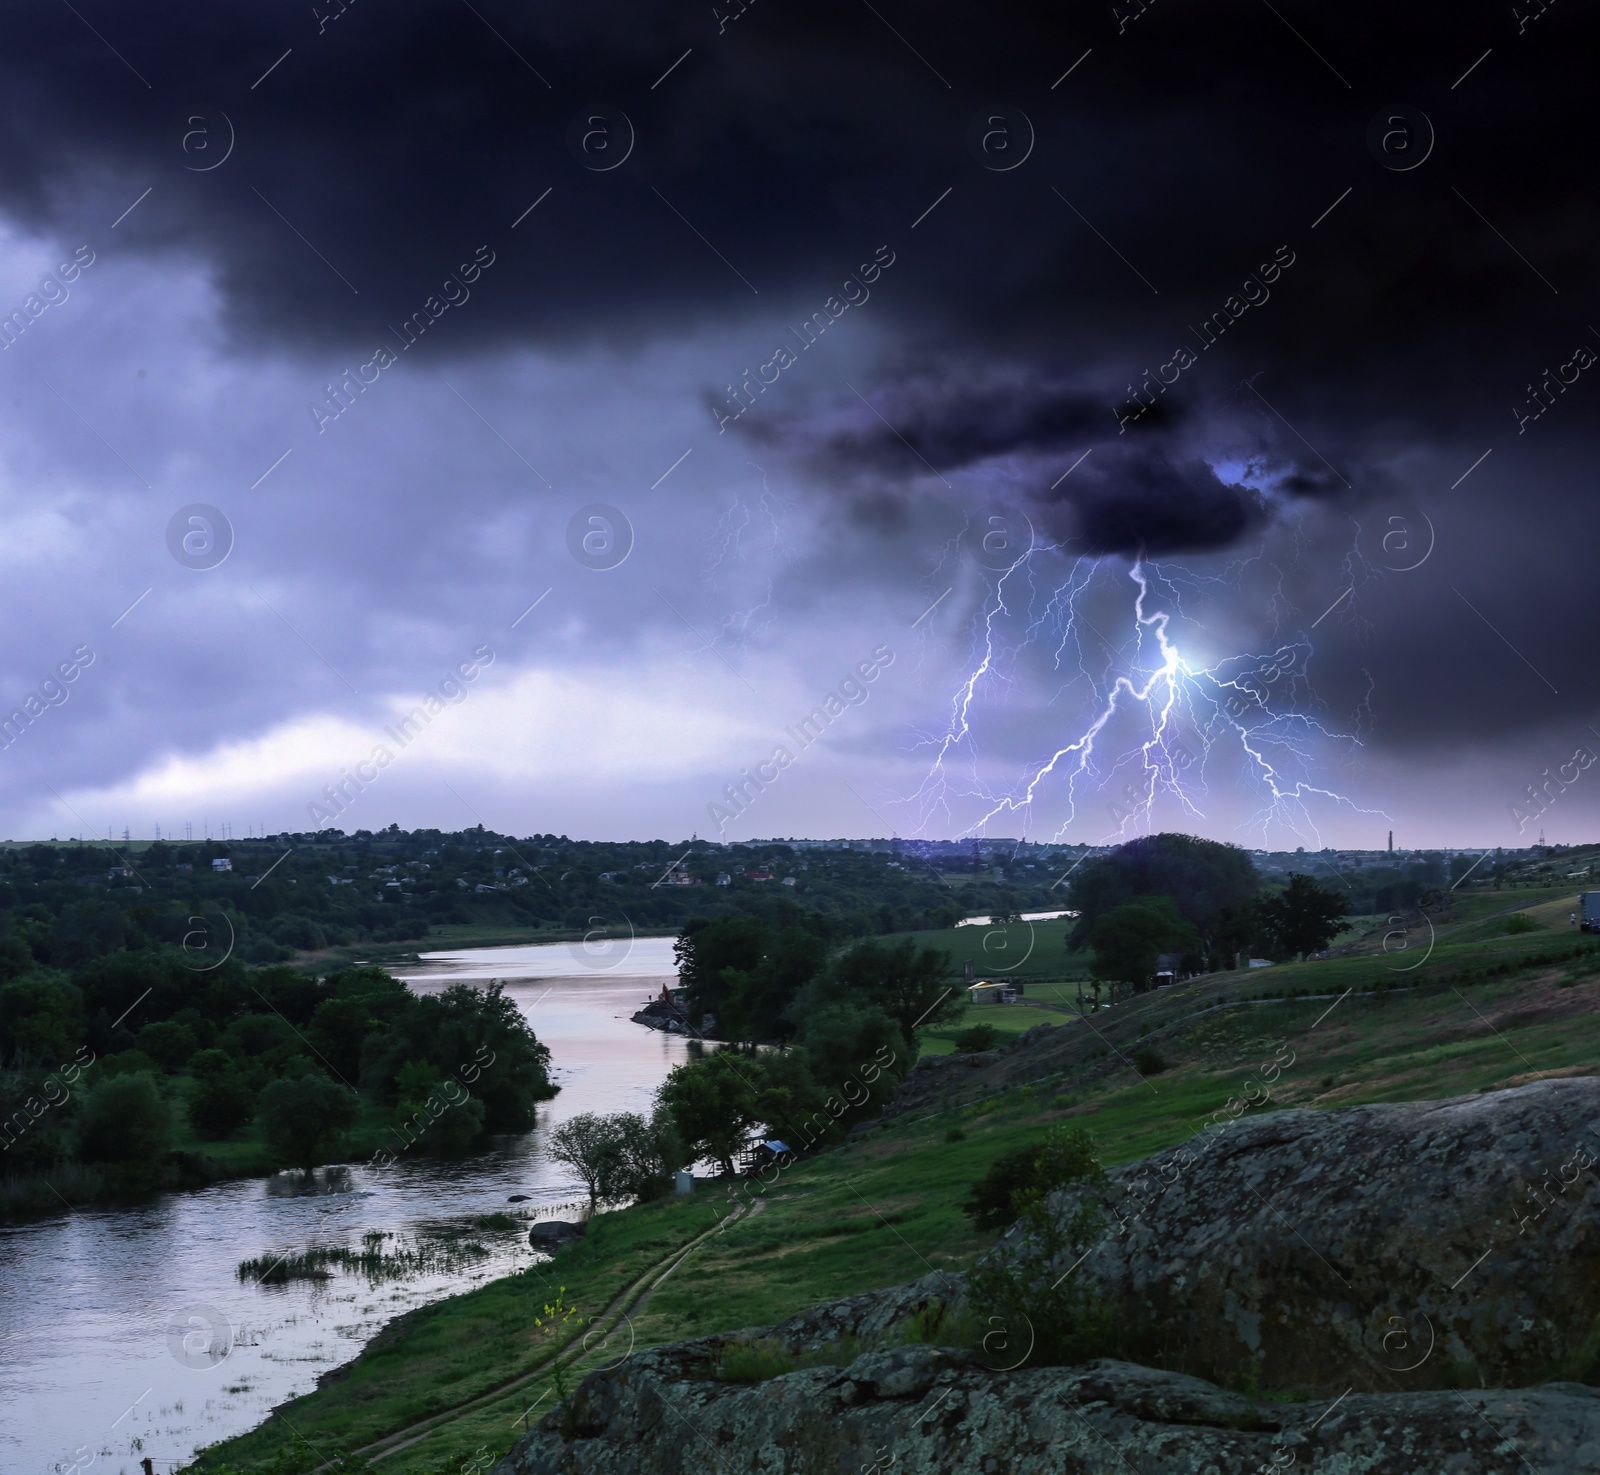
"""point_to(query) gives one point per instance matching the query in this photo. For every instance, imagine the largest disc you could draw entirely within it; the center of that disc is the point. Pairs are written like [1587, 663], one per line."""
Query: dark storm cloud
[1189, 155]
[391, 141]
[949, 422]
[1144, 492]
[1138, 502]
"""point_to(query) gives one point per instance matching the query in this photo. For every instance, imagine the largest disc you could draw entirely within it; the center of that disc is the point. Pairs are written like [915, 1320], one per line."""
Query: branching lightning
[1159, 718]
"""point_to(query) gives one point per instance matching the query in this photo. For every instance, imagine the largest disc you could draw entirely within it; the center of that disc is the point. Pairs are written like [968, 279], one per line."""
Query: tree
[706, 949]
[620, 1155]
[477, 1036]
[1205, 880]
[910, 984]
[647, 1154]
[587, 1143]
[41, 1019]
[756, 1000]
[711, 1104]
[304, 1119]
[125, 1120]
[1128, 940]
[1304, 917]
[441, 1114]
[221, 1103]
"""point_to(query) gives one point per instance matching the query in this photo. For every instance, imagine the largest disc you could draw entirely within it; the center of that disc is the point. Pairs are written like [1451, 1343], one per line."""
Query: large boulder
[554, 1233]
[924, 1410]
[1425, 1244]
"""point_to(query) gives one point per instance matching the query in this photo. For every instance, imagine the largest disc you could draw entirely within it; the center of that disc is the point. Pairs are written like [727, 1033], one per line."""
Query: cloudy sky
[1186, 416]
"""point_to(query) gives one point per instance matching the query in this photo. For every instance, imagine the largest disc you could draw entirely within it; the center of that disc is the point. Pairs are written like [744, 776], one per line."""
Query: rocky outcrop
[924, 1410]
[1385, 1246]
[1386, 1262]
[554, 1233]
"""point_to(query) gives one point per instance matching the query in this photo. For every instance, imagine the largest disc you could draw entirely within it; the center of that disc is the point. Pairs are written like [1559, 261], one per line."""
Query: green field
[884, 1209]
[1019, 950]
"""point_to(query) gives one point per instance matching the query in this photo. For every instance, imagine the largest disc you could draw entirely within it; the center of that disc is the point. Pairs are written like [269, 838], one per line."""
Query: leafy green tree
[221, 1103]
[169, 1044]
[1128, 940]
[41, 1020]
[362, 1004]
[711, 955]
[840, 1039]
[441, 1114]
[909, 984]
[756, 999]
[15, 958]
[1204, 879]
[304, 1119]
[35, 1122]
[712, 1106]
[477, 1036]
[1304, 917]
[125, 1119]
[646, 1155]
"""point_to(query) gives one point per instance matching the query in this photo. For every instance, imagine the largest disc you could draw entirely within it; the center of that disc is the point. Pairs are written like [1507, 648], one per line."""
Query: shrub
[755, 1361]
[1517, 924]
[1025, 1175]
[1021, 1285]
[979, 1037]
[954, 1134]
[1149, 1061]
[936, 1325]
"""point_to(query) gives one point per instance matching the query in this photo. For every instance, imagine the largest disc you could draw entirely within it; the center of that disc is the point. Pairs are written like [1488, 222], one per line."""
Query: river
[126, 1333]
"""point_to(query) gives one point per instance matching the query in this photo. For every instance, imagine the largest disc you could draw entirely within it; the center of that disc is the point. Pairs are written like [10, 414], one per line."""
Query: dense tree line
[66, 903]
[104, 1062]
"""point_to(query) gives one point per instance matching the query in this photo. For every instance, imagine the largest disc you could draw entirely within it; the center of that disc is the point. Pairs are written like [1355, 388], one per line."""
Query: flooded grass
[383, 1256]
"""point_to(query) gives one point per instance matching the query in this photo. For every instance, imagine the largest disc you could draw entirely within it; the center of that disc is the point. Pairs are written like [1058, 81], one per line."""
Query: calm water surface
[112, 1320]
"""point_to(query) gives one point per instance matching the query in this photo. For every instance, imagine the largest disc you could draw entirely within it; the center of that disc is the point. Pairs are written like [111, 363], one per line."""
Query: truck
[1589, 911]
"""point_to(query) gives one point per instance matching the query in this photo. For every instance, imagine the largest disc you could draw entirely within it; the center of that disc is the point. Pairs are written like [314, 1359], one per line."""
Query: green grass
[1008, 1020]
[884, 1209]
[1019, 950]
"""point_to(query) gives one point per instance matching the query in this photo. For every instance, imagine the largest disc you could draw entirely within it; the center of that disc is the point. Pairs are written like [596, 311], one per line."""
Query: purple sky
[965, 338]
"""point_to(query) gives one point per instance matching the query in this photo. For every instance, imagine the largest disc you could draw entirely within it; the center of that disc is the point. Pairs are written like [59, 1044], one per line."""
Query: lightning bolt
[1183, 714]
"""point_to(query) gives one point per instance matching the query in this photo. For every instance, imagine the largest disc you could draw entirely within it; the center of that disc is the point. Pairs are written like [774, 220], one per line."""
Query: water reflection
[127, 1332]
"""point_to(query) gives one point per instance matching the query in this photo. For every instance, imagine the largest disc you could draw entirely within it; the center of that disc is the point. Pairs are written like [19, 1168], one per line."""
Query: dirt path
[630, 1298]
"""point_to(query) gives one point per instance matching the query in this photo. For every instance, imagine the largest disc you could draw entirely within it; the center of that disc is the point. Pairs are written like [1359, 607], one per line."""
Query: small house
[222, 863]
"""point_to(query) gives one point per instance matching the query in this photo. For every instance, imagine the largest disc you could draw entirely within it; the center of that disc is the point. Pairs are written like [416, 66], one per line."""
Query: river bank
[465, 1377]
[126, 1331]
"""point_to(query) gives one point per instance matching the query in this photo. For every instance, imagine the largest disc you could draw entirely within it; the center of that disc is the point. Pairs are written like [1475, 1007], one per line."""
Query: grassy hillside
[884, 1209]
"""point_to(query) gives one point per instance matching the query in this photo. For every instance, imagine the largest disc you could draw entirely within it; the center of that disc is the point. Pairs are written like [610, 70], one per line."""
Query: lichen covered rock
[1383, 1247]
